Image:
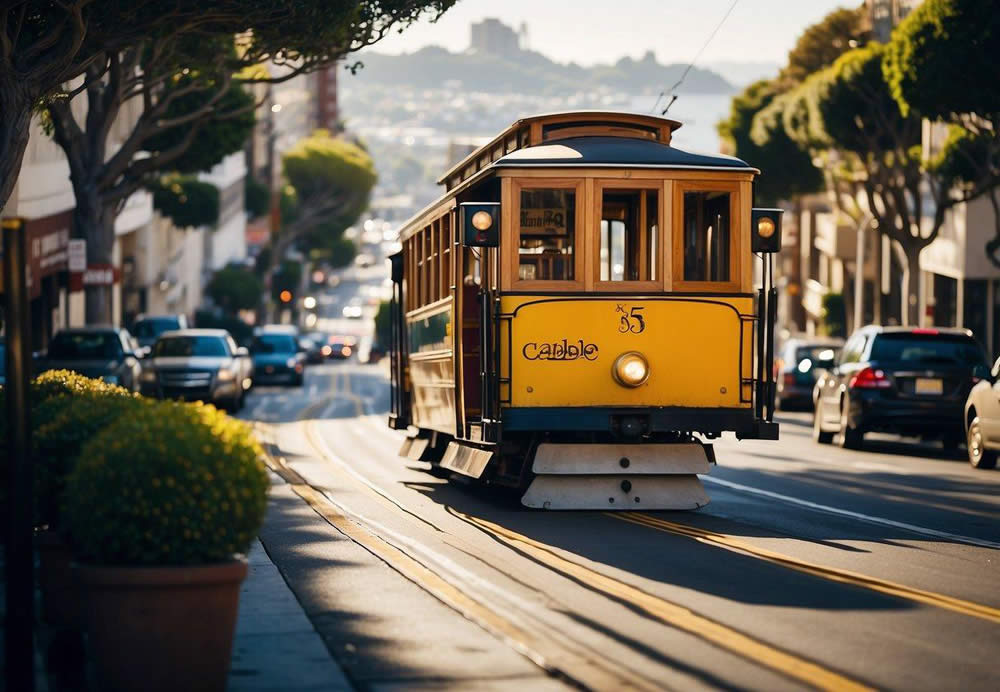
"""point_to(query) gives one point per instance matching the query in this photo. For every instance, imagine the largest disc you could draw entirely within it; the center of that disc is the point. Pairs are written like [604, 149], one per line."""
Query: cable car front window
[629, 235]
[547, 235]
[706, 236]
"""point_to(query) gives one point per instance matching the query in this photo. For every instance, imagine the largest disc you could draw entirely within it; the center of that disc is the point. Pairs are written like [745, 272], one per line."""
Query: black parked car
[901, 380]
[277, 358]
[148, 328]
[108, 353]
[798, 365]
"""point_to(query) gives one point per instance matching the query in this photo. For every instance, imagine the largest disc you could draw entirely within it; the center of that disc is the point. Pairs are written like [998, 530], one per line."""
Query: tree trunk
[911, 296]
[15, 124]
[93, 221]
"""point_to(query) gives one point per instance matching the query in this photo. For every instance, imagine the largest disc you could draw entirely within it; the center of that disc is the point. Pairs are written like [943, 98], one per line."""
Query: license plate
[928, 386]
[269, 369]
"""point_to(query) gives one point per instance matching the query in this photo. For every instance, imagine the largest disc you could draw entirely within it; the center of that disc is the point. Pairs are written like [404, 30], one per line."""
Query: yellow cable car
[579, 311]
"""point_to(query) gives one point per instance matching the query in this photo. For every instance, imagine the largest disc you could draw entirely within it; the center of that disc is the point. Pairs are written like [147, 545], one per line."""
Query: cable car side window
[547, 235]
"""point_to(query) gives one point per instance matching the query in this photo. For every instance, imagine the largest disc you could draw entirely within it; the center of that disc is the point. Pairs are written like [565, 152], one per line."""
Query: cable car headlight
[765, 227]
[631, 369]
[482, 221]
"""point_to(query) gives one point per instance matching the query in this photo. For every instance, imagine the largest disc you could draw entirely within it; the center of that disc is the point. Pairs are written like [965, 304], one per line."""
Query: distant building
[882, 16]
[493, 37]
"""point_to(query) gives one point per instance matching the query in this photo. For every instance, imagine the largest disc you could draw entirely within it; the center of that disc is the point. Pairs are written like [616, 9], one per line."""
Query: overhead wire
[691, 64]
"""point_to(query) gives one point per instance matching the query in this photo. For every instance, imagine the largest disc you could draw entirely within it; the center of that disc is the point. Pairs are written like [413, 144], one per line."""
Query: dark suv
[903, 380]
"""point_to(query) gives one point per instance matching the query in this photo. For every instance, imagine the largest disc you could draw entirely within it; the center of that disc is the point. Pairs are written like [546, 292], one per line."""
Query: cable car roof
[617, 152]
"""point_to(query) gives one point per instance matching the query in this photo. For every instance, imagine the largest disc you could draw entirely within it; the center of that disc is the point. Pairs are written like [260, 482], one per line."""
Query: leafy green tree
[942, 63]
[330, 180]
[45, 44]
[342, 252]
[847, 115]
[186, 201]
[787, 169]
[822, 43]
[234, 289]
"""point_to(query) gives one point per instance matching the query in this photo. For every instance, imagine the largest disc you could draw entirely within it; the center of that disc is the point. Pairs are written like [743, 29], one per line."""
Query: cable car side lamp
[481, 224]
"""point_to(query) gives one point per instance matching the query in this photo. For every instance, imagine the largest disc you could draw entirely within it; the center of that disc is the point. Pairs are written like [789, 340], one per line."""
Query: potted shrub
[163, 505]
[62, 424]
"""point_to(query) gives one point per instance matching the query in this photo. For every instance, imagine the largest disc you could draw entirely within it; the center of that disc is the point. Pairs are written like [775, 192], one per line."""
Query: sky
[584, 31]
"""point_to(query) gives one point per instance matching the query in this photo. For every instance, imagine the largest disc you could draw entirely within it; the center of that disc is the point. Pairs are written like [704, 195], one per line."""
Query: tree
[186, 201]
[787, 170]
[822, 43]
[234, 289]
[330, 180]
[848, 115]
[191, 117]
[45, 44]
[941, 63]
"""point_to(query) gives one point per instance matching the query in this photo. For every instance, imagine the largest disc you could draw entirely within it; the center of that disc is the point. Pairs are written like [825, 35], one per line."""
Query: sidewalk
[276, 646]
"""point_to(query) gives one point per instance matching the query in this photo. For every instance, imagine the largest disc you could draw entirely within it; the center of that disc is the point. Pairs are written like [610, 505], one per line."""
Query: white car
[982, 421]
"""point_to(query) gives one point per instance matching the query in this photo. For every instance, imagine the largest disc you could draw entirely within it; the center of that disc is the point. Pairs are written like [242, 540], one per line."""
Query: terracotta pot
[62, 597]
[162, 628]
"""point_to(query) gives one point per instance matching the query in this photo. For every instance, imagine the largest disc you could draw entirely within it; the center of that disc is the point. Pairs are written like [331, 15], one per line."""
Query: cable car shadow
[669, 561]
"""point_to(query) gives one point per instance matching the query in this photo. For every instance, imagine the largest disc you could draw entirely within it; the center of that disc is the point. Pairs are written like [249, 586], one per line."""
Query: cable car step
[637, 459]
[677, 492]
[413, 447]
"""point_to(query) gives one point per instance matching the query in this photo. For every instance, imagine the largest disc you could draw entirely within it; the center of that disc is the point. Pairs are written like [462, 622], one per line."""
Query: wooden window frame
[513, 231]
[602, 184]
[735, 190]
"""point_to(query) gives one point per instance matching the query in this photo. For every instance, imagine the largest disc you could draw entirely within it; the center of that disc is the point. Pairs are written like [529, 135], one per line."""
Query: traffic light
[285, 296]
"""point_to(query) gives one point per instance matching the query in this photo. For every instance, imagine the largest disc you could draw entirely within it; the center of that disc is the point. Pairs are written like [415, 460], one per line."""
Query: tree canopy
[786, 170]
[330, 180]
[822, 43]
[942, 59]
[941, 63]
[186, 201]
[45, 44]
[234, 289]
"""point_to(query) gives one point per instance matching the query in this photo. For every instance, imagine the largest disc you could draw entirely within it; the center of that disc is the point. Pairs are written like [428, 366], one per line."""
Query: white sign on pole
[77, 252]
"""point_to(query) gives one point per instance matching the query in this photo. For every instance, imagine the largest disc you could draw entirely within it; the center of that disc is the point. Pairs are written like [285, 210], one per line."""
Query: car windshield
[150, 329]
[85, 346]
[191, 346]
[816, 355]
[273, 343]
[927, 349]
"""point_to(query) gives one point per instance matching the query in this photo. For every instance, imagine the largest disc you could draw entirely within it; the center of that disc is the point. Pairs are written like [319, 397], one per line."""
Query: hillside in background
[528, 71]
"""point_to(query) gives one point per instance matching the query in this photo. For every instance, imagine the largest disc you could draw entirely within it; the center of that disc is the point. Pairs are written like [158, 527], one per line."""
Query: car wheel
[820, 435]
[850, 438]
[979, 456]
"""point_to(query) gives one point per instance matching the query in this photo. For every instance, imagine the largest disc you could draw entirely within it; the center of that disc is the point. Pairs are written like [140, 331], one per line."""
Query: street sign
[99, 275]
[77, 252]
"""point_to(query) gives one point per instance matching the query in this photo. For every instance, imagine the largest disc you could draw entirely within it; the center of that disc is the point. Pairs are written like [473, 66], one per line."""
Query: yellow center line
[678, 616]
[831, 573]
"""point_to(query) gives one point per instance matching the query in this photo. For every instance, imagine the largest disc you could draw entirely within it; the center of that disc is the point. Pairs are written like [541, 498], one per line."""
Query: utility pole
[19, 558]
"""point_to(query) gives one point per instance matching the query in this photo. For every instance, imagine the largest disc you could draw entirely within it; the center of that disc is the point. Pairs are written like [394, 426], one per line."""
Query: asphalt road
[812, 566]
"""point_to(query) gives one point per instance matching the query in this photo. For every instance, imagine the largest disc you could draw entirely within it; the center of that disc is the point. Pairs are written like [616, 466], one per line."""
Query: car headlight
[225, 375]
[631, 369]
[292, 362]
[147, 376]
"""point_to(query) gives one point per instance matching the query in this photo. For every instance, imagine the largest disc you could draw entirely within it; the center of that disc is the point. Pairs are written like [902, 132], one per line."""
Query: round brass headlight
[482, 220]
[631, 369]
[765, 227]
